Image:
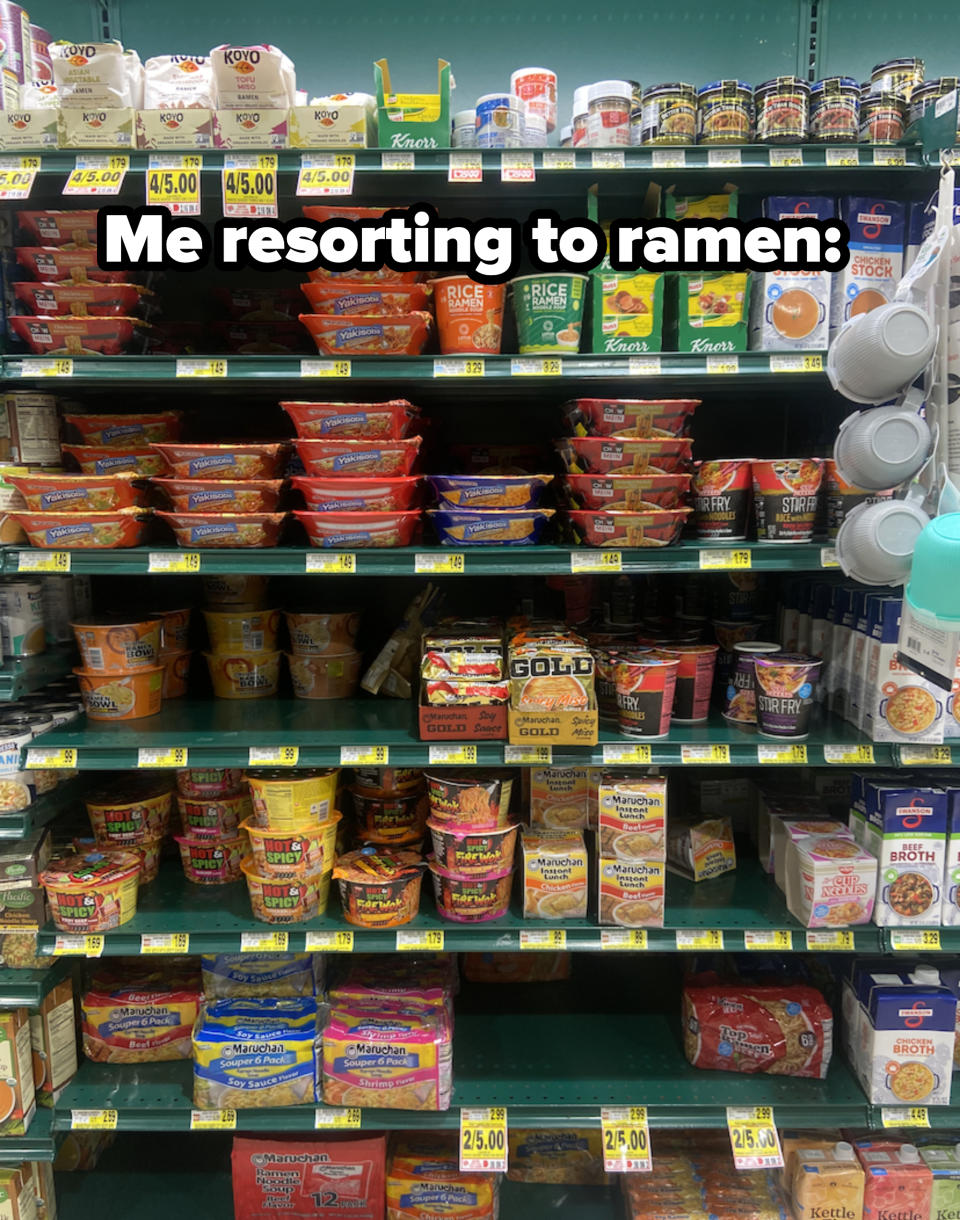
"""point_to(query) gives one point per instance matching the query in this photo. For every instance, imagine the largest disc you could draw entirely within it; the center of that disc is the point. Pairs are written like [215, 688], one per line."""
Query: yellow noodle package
[572, 1157]
[145, 1017]
[424, 1181]
[254, 1053]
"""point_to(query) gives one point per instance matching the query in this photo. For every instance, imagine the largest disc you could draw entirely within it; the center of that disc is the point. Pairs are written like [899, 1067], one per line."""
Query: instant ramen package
[142, 1016]
[424, 1181]
[325, 1177]
[267, 975]
[572, 1157]
[774, 1028]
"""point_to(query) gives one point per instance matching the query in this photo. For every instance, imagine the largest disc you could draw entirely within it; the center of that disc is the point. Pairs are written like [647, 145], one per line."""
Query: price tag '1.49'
[483, 1140]
[250, 185]
[754, 1138]
[626, 1140]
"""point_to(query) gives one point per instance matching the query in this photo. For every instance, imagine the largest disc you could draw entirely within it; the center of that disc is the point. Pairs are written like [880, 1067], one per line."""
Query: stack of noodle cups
[132, 814]
[175, 652]
[120, 675]
[243, 660]
[323, 661]
[213, 804]
[292, 834]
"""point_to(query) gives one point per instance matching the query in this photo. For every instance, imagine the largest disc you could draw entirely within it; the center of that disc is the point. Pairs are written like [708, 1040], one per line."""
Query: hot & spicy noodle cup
[94, 892]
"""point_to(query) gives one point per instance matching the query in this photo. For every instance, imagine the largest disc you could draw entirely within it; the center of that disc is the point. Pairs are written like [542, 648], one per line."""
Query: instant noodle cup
[740, 693]
[344, 298]
[382, 781]
[471, 850]
[645, 689]
[284, 900]
[176, 673]
[135, 430]
[379, 888]
[242, 592]
[93, 892]
[785, 685]
[221, 495]
[625, 492]
[209, 783]
[385, 459]
[174, 629]
[86, 531]
[469, 800]
[393, 819]
[619, 455]
[489, 491]
[365, 335]
[121, 696]
[657, 527]
[549, 312]
[630, 417]
[225, 529]
[313, 633]
[224, 461]
[471, 898]
[216, 817]
[210, 861]
[333, 675]
[333, 493]
[490, 526]
[149, 852]
[77, 336]
[117, 647]
[129, 822]
[389, 421]
[841, 497]
[78, 493]
[721, 498]
[109, 460]
[785, 493]
[289, 802]
[354, 529]
[292, 853]
[254, 675]
[691, 696]
[469, 315]
[242, 630]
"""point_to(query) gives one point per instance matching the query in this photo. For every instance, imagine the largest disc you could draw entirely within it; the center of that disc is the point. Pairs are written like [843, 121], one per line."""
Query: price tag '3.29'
[250, 185]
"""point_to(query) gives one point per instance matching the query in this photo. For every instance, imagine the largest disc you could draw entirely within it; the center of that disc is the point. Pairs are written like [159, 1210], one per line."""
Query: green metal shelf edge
[26, 988]
[39, 1144]
[684, 556]
[22, 676]
[18, 825]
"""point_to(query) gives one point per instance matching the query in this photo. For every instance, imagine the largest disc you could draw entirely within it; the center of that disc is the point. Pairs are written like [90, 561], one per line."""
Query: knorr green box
[410, 121]
[627, 312]
[712, 309]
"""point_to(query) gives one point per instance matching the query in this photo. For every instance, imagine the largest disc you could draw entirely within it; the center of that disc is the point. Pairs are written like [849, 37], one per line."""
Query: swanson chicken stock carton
[906, 829]
[791, 309]
[877, 230]
[411, 121]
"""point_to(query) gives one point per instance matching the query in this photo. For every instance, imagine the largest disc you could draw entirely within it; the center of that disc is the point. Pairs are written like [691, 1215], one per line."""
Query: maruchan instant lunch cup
[121, 696]
[242, 631]
[785, 687]
[785, 495]
[289, 802]
[93, 892]
[721, 499]
[118, 647]
[469, 315]
[549, 312]
[645, 689]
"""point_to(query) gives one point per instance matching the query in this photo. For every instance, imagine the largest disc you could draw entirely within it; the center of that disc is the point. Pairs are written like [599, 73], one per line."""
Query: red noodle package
[324, 1179]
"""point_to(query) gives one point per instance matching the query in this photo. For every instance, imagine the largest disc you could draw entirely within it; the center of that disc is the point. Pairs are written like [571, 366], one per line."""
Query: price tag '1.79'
[97, 175]
[16, 177]
[483, 1140]
[326, 174]
[626, 1140]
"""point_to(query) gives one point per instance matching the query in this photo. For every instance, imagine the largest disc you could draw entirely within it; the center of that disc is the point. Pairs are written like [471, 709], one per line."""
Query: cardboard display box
[410, 121]
[186, 129]
[484, 723]
[254, 129]
[96, 128]
[333, 125]
[535, 728]
[28, 129]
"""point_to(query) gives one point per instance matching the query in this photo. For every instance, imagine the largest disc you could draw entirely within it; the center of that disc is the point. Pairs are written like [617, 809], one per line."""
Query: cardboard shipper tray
[461, 721]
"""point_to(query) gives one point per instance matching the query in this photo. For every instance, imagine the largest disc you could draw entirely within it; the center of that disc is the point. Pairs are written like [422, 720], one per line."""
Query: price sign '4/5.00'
[173, 182]
[250, 185]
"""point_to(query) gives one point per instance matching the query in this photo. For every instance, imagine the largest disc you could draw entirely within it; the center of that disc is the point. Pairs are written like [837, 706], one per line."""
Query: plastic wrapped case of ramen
[701, 848]
[553, 673]
[142, 1016]
[570, 1157]
[773, 1028]
[424, 1177]
[258, 77]
[178, 82]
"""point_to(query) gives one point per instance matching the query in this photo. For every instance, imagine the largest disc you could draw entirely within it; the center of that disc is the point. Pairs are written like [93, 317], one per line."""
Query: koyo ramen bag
[322, 1178]
[91, 76]
[259, 76]
[181, 82]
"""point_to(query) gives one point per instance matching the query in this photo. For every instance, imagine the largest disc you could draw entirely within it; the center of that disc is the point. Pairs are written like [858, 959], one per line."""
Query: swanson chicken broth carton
[898, 1184]
[854, 994]
[908, 1048]
[877, 230]
[943, 1159]
[791, 309]
[906, 828]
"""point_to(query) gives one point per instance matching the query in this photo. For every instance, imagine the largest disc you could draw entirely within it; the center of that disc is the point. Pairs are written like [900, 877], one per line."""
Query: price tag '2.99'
[754, 1138]
[483, 1140]
[626, 1140]
[250, 185]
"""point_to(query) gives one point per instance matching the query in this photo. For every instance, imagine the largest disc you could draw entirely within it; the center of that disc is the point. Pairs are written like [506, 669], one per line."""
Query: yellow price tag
[904, 1116]
[423, 940]
[173, 182]
[929, 756]
[705, 754]
[791, 755]
[202, 368]
[340, 941]
[453, 564]
[785, 156]
[61, 367]
[538, 756]
[723, 364]
[841, 156]
[643, 366]
[337, 1118]
[561, 158]
[47, 758]
[626, 1139]
[596, 561]
[622, 939]
[176, 756]
[364, 756]
[453, 756]
[483, 1140]
[628, 755]
[612, 158]
[332, 563]
[779, 940]
[16, 177]
[325, 368]
[447, 367]
[93, 1120]
[849, 755]
[830, 942]
[43, 561]
[720, 561]
[536, 366]
[754, 1138]
[273, 756]
[326, 174]
[543, 938]
[264, 942]
[213, 1120]
[165, 942]
[796, 362]
[78, 946]
[700, 940]
[912, 939]
[173, 561]
[889, 156]
[97, 175]
[250, 185]
[668, 158]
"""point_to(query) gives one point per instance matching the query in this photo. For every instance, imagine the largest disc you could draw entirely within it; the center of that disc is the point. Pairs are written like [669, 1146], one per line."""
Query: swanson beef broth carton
[791, 309]
[877, 230]
[898, 1184]
[910, 1033]
[943, 1159]
[906, 829]
[950, 907]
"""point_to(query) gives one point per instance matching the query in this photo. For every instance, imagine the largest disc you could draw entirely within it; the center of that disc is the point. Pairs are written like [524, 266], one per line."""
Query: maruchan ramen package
[569, 1157]
[255, 1053]
[53, 1040]
[424, 1181]
[270, 975]
[324, 1178]
[145, 1016]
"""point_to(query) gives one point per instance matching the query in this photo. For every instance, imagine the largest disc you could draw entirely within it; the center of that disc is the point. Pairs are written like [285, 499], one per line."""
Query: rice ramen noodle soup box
[554, 874]
[831, 881]
[791, 309]
[906, 829]
[908, 1047]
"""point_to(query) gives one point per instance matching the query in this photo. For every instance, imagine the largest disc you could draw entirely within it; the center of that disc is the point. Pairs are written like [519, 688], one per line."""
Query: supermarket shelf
[26, 988]
[19, 824]
[548, 1070]
[217, 918]
[221, 733]
[21, 676]
[38, 1144]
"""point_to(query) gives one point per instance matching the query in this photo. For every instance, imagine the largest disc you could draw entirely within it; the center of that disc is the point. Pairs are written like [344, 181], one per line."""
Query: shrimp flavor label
[483, 1140]
[754, 1138]
[626, 1140]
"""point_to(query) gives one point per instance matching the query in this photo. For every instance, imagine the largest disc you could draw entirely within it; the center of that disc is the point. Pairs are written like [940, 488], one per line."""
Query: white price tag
[889, 156]
[785, 157]
[723, 156]
[340, 941]
[332, 563]
[700, 940]
[16, 177]
[93, 1120]
[841, 156]
[324, 368]
[543, 938]
[43, 561]
[452, 563]
[453, 756]
[45, 367]
[173, 561]
[364, 756]
[628, 755]
[705, 754]
[264, 942]
[776, 940]
[596, 561]
[915, 939]
[517, 167]
[795, 755]
[796, 362]
[643, 366]
[608, 158]
[904, 1116]
[559, 159]
[213, 1120]
[465, 167]
[754, 1138]
[828, 557]
[165, 942]
[78, 946]
[422, 940]
[202, 368]
[719, 559]
[849, 755]
[459, 367]
[398, 160]
[623, 938]
[668, 158]
[337, 1117]
[273, 756]
[97, 174]
[483, 1140]
[249, 184]
[174, 756]
[539, 756]
[723, 364]
[536, 366]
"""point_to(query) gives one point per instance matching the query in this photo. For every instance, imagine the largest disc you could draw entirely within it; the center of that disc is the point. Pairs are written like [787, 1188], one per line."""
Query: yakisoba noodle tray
[242, 630]
[393, 819]
[471, 898]
[214, 529]
[292, 853]
[54, 266]
[77, 336]
[253, 675]
[286, 900]
[288, 802]
[389, 421]
[657, 527]
[121, 696]
[490, 526]
[116, 647]
[465, 849]
[341, 298]
[625, 492]
[352, 530]
[76, 493]
[387, 458]
[123, 823]
[489, 491]
[774, 1028]
[58, 227]
[221, 495]
[93, 892]
[379, 887]
[337, 494]
[134, 430]
[313, 633]
[910, 710]
[360, 335]
[87, 531]
[216, 817]
[210, 861]
[476, 800]
[81, 300]
[606, 455]
[209, 783]
[226, 461]
[630, 417]
[332, 675]
[108, 459]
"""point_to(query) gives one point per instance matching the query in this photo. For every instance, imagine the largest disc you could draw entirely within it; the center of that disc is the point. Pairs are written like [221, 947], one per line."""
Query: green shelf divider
[26, 988]
[25, 821]
[39, 1144]
[23, 675]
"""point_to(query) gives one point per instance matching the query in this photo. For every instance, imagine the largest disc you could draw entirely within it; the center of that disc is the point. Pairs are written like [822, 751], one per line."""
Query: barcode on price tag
[483, 1140]
[337, 1117]
[264, 942]
[769, 939]
[754, 1138]
[422, 940]
[705, 754]
[173, 561]
[596, 561]
[332, 563]
[324, 368]
[213, 1120]
[830, 942]
[700, 940]
[904, 1116]
[626, 1140]
[93, 1120]
[913, 939]
[543, 938]
[628, 755]
[43, 561]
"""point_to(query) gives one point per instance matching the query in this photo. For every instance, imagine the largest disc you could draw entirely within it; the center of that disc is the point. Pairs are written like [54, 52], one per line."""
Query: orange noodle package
[354, 420]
